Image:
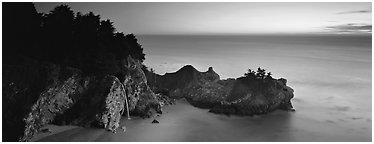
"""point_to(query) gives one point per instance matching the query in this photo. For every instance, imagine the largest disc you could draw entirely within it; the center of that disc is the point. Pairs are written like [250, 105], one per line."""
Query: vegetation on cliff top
[83, 41]
[260, 74]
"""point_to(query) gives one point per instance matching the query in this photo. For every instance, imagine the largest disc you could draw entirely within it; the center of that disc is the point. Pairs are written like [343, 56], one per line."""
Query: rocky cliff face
[142, 100]
[241, 96]
[101, 103]
[249, 97]
[36, 94]
[58, 96]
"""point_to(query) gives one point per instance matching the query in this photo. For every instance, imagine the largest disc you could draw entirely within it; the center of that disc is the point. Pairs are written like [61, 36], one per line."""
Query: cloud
[351, 28]
[355, 12]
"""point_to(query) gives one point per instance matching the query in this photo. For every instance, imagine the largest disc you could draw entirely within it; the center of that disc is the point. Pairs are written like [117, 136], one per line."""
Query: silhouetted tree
[250, 74]
[136, 50]
[58, 34]
[21, 30]
[120, 48]
[260, 73]
[268, 76]
[106, 30]
[83, 40]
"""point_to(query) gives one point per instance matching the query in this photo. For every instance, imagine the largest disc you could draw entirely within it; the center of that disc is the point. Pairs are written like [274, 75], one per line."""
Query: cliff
[69, 68]
[242, 96]
[36, 94]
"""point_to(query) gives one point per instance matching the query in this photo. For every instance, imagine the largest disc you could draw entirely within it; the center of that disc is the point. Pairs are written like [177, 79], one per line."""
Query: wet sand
[183, 122]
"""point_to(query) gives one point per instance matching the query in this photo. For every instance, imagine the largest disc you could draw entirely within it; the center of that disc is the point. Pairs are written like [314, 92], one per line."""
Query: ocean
[330, 74]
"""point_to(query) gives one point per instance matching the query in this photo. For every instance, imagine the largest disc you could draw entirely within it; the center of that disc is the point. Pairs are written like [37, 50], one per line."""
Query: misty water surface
[331, 74]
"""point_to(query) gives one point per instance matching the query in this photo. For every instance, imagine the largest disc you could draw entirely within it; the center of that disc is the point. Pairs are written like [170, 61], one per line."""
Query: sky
[229, 18]
[228, 36]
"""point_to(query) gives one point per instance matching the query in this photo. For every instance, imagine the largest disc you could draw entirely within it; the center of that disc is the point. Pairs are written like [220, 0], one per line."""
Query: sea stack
[247, 95]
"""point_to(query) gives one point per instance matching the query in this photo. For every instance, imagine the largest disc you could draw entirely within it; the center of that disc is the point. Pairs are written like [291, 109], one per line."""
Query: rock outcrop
[188, 82]
[58, 96]
[142, 100]
[36, 94]
[241, 96]
[76, 100]
[201, 89]
[249, 97]
[101, 104]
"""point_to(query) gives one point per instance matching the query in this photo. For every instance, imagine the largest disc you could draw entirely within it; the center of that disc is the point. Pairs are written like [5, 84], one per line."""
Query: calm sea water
[331, 76]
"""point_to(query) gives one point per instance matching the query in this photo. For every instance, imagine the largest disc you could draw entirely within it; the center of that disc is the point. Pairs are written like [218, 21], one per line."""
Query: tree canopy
[259, 74]
[84, 41]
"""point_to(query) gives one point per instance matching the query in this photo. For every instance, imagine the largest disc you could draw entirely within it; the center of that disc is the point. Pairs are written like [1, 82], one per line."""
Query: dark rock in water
[155, 121]
[241, 96]
[199, 88]
[251, 96]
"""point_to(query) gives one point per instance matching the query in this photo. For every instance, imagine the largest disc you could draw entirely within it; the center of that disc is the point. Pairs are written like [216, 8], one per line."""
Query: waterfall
[127, 108]
[127, 104]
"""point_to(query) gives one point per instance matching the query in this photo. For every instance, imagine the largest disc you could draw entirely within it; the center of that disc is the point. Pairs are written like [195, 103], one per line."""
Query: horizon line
[255, 34]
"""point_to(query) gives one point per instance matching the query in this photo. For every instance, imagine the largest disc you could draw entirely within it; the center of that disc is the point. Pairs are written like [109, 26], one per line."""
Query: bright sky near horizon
[230, 18]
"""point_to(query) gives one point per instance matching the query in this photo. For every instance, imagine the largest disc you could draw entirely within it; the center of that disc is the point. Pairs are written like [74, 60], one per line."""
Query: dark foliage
[62, 37]
[21, 29]
[260, 74]
[255, 80]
